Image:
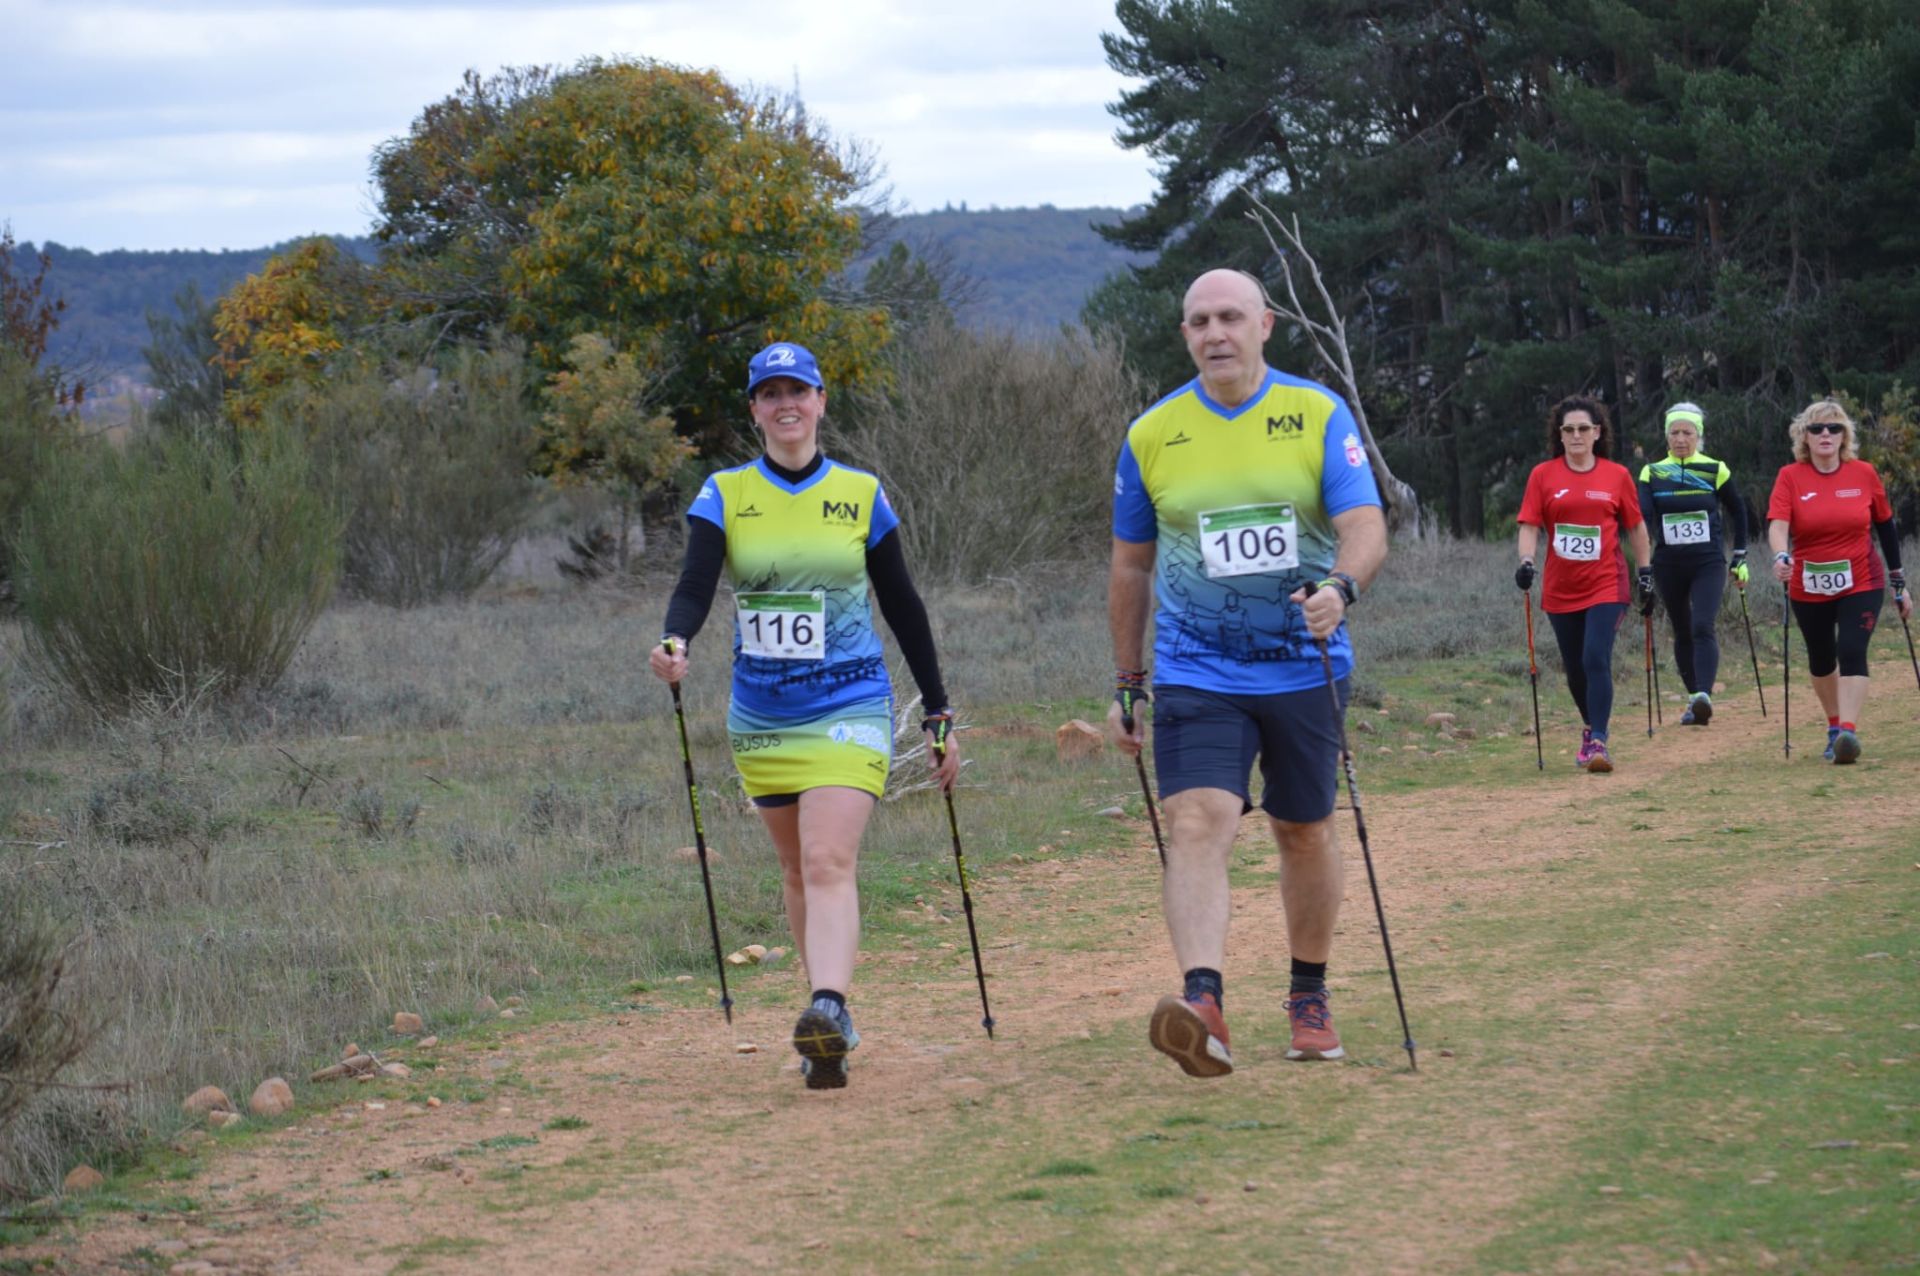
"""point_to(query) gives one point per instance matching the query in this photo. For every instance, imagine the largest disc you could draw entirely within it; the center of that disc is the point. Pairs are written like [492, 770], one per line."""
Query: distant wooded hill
[1032, 267]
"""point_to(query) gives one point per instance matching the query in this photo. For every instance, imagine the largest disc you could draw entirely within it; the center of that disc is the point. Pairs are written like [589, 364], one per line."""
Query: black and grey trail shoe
[823, 1039]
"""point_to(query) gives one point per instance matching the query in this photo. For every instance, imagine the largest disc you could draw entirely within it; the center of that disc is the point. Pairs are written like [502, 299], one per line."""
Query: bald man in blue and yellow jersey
[1244, 503]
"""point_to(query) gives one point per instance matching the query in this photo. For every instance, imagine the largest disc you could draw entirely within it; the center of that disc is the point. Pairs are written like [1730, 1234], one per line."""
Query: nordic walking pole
[1140, 766]
[960, 863]
[1752, 651]
[1648, 617]
[1366, 852]
[1786, 673]
[1903, 624]
[700, 844]
[1659, 714]
[1533, 676]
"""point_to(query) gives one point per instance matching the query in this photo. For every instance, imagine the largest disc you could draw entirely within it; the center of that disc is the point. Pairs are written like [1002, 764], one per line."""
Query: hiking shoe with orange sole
[1313, 1034]
[1193, 1034]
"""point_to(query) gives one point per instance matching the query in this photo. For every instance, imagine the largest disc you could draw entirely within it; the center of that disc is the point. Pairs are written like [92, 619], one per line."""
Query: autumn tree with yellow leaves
[281, 327]
[657, 206]
[602, 427]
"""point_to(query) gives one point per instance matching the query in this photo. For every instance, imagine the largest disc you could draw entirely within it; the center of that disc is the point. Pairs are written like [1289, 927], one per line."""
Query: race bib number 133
[784, 626]
[1690, 528]
[1248, 539]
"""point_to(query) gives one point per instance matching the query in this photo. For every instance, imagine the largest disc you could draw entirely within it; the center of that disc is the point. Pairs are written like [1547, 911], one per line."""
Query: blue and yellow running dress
[812, 705]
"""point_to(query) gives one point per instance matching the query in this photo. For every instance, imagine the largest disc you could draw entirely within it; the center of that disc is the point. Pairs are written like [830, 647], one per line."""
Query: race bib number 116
[784, 626]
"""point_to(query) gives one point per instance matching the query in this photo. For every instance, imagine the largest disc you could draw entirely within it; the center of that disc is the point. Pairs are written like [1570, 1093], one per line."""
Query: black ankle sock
[1308, 976]
[839, 999]
[1202, 979]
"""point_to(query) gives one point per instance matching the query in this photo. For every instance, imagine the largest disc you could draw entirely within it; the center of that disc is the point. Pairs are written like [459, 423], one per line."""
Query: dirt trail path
[696, 1158]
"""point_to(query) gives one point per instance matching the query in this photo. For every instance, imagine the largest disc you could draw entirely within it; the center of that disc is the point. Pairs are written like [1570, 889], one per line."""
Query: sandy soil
[697, 1156]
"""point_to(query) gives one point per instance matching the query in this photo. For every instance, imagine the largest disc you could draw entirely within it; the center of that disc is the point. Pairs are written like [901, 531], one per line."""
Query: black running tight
[1691, 592]
[1838, 630]
[1586, 649]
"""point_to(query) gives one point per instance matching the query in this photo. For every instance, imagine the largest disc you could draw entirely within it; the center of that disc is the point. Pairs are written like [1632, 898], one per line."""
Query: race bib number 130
[1572, 541]
[1248, 539]
[784, 626]
[1827, 578]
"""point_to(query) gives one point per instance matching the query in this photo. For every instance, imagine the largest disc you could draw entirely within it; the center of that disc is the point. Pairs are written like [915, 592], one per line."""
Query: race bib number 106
[1248, 539]
[784, 626]
[1580, 544]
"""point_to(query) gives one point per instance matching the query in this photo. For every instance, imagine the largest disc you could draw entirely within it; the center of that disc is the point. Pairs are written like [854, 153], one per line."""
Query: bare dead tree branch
[1328, 337]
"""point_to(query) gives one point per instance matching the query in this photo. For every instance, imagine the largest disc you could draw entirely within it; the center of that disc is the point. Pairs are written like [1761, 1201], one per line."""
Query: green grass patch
[1065, 1170]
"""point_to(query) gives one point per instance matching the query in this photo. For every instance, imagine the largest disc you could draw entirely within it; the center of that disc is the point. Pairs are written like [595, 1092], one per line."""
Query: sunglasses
[1584, 429]
[1826, 427]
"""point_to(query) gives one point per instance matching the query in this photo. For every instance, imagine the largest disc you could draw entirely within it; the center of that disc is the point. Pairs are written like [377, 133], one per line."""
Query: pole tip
[987, 1023]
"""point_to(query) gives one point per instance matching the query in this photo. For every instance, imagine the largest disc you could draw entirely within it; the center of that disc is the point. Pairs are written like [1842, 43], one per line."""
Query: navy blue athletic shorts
[1209, 740]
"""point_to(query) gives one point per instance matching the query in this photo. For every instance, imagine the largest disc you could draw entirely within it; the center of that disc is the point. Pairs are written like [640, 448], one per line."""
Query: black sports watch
[1349, 587]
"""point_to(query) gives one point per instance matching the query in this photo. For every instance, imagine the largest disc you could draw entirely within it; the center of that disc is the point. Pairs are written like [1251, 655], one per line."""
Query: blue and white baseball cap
[784, 359]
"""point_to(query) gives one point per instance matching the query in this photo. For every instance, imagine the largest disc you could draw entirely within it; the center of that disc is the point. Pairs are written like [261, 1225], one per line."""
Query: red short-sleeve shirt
[1582, 515]
[1831, 518]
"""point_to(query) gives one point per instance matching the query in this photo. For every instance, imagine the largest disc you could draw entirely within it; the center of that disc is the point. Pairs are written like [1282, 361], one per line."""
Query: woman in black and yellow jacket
[1690, 503]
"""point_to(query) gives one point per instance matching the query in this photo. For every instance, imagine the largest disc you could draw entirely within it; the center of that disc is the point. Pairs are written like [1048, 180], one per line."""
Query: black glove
[1523, 574]
[1898, 579]
[1643, 583]
[940, 726]
[1129, 689]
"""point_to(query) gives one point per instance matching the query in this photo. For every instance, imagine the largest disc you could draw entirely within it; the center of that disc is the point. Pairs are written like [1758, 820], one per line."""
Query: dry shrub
[42, 1034]
[431, 463]
[997, 449]
[180, 566]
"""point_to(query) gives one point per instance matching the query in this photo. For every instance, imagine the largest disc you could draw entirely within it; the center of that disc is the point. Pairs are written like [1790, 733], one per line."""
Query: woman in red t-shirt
[1584, 502]
[1827, 500]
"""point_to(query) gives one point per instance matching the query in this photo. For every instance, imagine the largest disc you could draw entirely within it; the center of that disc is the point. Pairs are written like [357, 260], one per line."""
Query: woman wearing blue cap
[801, 538]
[1690, 503]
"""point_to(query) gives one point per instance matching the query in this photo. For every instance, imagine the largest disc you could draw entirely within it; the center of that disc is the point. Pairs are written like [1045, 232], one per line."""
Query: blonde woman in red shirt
[1586, 504]
[1827, 503]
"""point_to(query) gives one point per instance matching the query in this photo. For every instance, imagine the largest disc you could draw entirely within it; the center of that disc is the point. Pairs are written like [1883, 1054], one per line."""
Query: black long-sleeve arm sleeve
[1889, 533]
[699, 578]
[907, 616]
[1647, 514]
[1736, 513]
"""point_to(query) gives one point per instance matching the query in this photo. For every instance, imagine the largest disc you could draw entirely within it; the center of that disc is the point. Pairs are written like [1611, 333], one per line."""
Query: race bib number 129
[1580, 544]
[784, 626]
[1248, 539]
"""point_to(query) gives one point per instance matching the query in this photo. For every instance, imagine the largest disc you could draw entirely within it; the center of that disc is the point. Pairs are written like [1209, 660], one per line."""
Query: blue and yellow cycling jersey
[1241, 503]
[803, 637]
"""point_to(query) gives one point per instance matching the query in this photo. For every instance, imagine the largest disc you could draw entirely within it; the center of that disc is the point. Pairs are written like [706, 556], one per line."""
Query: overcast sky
[234, 124]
